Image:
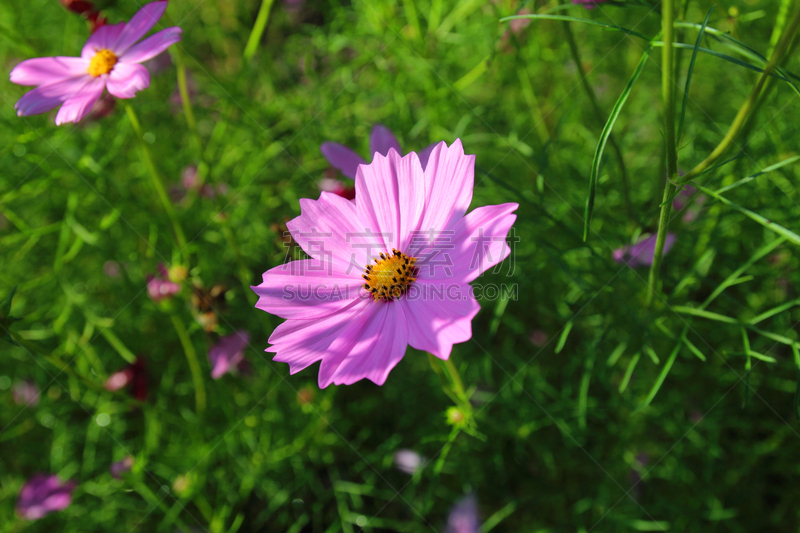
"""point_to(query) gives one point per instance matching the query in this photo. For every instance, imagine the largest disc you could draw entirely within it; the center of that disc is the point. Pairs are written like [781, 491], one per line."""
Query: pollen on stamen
[389, 277]
[102, 62]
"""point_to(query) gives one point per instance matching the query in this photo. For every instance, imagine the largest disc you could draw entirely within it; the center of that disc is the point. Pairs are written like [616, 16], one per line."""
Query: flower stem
[194, 364]
[451, 381]
[156, 179]
[670, 148]
[599, 115]
[751, 102]
[258, 29]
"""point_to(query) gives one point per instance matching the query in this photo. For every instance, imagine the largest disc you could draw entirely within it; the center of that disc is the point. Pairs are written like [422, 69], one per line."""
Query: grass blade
[629, 372]
[664, 371]
[612, 27]
[750, 178]
[601, 146]
[562, 340]
[777, 228]
[690, 71]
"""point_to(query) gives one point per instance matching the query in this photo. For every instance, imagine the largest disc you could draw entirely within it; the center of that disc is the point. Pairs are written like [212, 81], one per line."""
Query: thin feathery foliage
[593, 395]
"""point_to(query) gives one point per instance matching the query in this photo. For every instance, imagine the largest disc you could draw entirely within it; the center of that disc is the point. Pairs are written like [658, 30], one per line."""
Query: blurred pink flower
[121, 467]
[408, 461]
[26, 393]
[228, 353]
[160, 287]
[463, 517]
[110, 59]
[42, 495]
[641, 253]
[381, 140]
[337, 187]
[682, 199]
[359, 323]
[111, 269]
[588, 4]
[517, 25]
[538, 338]
[134, 377]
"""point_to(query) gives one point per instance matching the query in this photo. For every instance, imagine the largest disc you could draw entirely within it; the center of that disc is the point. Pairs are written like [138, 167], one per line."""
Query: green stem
[670, 148]
[194, 364]
[599, 115]
[156, 179]
[258, 29]
[750, 103]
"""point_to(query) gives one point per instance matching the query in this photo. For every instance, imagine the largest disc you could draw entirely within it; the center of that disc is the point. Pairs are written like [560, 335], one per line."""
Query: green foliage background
[559, 446]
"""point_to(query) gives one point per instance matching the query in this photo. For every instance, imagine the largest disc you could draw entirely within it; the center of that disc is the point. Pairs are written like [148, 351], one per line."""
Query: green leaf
[601, 146]
[690, 71]
[562, 340]
[5, 305]
[664, 371]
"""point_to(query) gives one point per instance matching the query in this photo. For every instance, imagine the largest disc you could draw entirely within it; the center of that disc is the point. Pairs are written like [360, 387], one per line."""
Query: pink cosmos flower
[110, 59]
[121, 467]
[26, 393]
[133, 376]
[463, 517]
[390, 269]
[228, 353]
[381, 140]
[641, 253]
[42, 495]
[408, 461]
[160, 287]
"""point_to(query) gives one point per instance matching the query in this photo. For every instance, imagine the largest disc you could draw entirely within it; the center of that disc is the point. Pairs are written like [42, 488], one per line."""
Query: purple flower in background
[338, 188]
[641, 253]
[160, 287]
[381, 139]
[110, 59]
[228, 353]
[463, 517]
[538, 338]
[408, 461]
[121, 467]
[133, 376]
[42, 495]
[111, 269]
[26, 393]
[588, 4]
[682, 199]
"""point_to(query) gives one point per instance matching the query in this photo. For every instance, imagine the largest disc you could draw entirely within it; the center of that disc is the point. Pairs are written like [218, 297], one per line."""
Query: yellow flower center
[389, 277]
[102, 62]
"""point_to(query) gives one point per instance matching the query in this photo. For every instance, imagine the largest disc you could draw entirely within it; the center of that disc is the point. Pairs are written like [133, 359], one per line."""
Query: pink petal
[449, 179]
[390, 198]
[478, 242]
[382, 345]
[381, 140]
[439, 318]
[105, 37]
[152, 46]
[58, 501]
[48, 70]
[78, 106]
[47, 97]
[301, 343]
[342, 158]
[330, 231]
[126, 79]
[138, 26]
[425, 154]
[306, 289]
